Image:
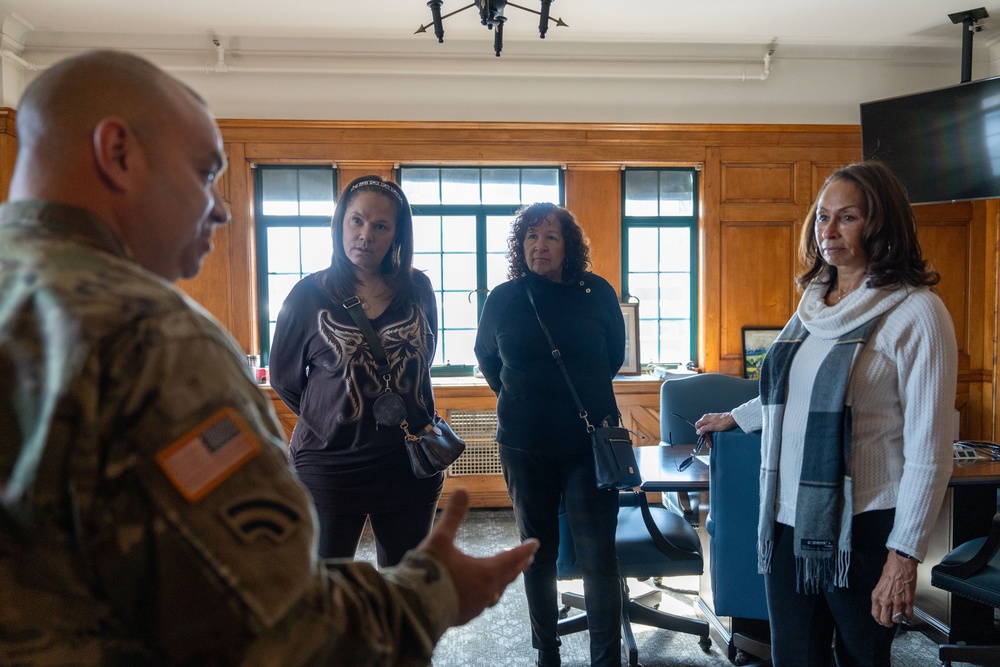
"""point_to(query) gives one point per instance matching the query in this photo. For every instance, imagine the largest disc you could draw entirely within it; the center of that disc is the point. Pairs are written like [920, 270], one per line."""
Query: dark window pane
[460, 186]
[280, 192]
[501, 186]
[677, 193]
[316, 196]
[641, 193]
[540, 185]
[421, 185]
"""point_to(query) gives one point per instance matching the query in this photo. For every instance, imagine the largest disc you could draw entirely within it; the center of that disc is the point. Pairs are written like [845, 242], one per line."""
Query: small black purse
[433, 449]
[614, 460]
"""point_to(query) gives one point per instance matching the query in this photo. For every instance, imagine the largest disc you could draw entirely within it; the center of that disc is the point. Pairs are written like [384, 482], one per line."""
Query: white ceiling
[309, 23]
[703, 61]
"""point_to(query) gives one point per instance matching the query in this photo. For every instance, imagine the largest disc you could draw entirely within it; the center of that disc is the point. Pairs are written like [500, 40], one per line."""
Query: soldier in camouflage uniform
[147, 514]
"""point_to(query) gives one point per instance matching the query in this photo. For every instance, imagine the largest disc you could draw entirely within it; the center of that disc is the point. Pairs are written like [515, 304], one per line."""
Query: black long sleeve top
[535, 409]
[323, 369]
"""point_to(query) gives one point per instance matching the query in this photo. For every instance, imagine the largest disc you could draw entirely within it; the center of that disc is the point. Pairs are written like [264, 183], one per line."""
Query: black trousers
[537, 483]
[396, 530]
[804, 627]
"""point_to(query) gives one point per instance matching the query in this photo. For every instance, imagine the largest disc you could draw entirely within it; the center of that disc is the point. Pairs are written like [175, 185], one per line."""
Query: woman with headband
[347, 450]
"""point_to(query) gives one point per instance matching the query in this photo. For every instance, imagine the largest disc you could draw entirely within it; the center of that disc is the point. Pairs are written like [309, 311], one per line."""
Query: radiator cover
[478, 428]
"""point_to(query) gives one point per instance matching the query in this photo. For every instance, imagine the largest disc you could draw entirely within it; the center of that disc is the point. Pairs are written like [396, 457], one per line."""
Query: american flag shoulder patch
[203, 458]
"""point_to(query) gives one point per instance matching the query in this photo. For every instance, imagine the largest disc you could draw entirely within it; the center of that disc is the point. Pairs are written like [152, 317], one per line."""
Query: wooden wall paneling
[946, 233]
[593, 195]
[820, 172]
[771, 183]
[947, 246]
[756, 283]
[639, 402]
[757, 207]
[285, 416]
[989, 211]
[8, 150]
[710, 268]
[348, 170]
[244, 249]
[213, 286]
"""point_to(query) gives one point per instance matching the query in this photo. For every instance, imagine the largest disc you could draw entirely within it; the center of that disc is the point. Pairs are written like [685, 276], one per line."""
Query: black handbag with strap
[614, 460]
[434, 448]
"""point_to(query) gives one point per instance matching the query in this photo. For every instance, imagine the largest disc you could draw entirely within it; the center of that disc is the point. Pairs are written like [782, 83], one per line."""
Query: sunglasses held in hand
[702, 439]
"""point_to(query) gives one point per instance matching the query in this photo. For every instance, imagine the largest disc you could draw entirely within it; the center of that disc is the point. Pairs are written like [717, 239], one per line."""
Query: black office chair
[691, 397]
[972, 570]
[651, 542]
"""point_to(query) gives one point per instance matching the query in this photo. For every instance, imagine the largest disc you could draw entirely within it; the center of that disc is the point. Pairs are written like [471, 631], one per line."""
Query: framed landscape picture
[756, 341]
[632, 366]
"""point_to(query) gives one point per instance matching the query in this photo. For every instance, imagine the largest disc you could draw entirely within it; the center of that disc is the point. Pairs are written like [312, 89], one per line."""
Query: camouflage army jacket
[147, 514]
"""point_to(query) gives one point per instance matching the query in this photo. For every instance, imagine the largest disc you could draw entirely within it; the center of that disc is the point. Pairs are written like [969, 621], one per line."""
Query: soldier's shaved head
[60, 108]
[111, 133]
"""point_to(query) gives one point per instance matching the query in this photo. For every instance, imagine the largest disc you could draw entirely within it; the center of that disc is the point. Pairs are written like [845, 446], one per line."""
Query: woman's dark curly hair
[397, 265]
[889, 237]
[577, 247]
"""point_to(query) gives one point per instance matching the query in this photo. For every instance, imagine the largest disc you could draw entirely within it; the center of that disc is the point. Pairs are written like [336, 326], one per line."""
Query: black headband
[378, 184]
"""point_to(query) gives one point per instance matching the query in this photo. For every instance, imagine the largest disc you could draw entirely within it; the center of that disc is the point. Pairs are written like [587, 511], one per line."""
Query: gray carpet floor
[501, 636]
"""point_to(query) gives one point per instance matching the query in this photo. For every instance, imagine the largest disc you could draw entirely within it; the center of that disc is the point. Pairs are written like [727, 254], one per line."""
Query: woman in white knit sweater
[857, 395]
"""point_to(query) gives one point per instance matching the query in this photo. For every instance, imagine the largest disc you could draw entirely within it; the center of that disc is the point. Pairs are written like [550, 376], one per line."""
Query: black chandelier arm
[435, 6]
[543, 21]
[545, 9]
[498, 38]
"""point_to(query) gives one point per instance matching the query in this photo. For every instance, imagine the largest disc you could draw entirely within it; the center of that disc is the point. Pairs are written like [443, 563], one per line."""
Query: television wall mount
[969, 19]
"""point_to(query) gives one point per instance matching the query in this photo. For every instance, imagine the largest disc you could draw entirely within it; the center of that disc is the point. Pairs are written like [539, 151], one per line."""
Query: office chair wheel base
[706, 644]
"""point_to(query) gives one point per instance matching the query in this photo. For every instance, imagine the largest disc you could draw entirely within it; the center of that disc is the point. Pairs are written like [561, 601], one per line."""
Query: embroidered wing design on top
[405, 350]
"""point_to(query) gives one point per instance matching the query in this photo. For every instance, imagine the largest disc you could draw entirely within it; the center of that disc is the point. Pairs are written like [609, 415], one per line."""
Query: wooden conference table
[658, 467]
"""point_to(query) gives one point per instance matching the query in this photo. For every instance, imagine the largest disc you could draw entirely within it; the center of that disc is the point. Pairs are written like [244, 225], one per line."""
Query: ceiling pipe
[10, 55]
[222, 67]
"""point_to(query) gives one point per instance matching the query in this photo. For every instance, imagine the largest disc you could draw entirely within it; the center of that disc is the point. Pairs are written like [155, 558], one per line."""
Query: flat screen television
[943, 144]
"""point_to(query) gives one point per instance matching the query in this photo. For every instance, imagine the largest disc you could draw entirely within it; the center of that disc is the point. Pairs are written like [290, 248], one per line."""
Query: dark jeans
[537, 483]
[803, 627]
[396, 532]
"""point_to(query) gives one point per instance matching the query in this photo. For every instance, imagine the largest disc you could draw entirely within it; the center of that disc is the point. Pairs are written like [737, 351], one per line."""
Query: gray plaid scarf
[823, 508]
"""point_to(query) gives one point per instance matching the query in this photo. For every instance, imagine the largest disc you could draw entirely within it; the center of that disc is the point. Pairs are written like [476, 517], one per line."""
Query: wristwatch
[903, 554]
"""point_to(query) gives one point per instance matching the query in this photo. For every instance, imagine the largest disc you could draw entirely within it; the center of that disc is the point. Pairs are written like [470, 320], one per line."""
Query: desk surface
[975, 472]
[658, 467]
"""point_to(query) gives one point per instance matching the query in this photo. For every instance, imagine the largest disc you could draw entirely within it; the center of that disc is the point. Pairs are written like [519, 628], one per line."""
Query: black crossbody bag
[433, 449]
[614, 460]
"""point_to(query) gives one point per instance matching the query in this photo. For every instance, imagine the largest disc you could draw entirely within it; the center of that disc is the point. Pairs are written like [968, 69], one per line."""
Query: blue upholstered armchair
[972, 570]
[691, 397]
[734, 500]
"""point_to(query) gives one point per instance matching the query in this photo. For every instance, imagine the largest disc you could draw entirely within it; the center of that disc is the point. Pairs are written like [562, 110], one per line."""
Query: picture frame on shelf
[756, 341]
[631, 365]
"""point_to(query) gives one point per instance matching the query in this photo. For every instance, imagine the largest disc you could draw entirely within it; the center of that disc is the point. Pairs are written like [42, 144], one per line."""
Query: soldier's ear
[118, 155]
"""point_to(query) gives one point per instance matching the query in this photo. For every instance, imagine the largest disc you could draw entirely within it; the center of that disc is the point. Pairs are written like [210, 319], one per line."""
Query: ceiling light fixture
[491, 14]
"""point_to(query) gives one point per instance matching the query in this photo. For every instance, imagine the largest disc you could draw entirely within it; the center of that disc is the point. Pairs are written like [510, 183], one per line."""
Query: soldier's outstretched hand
[479, 581]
